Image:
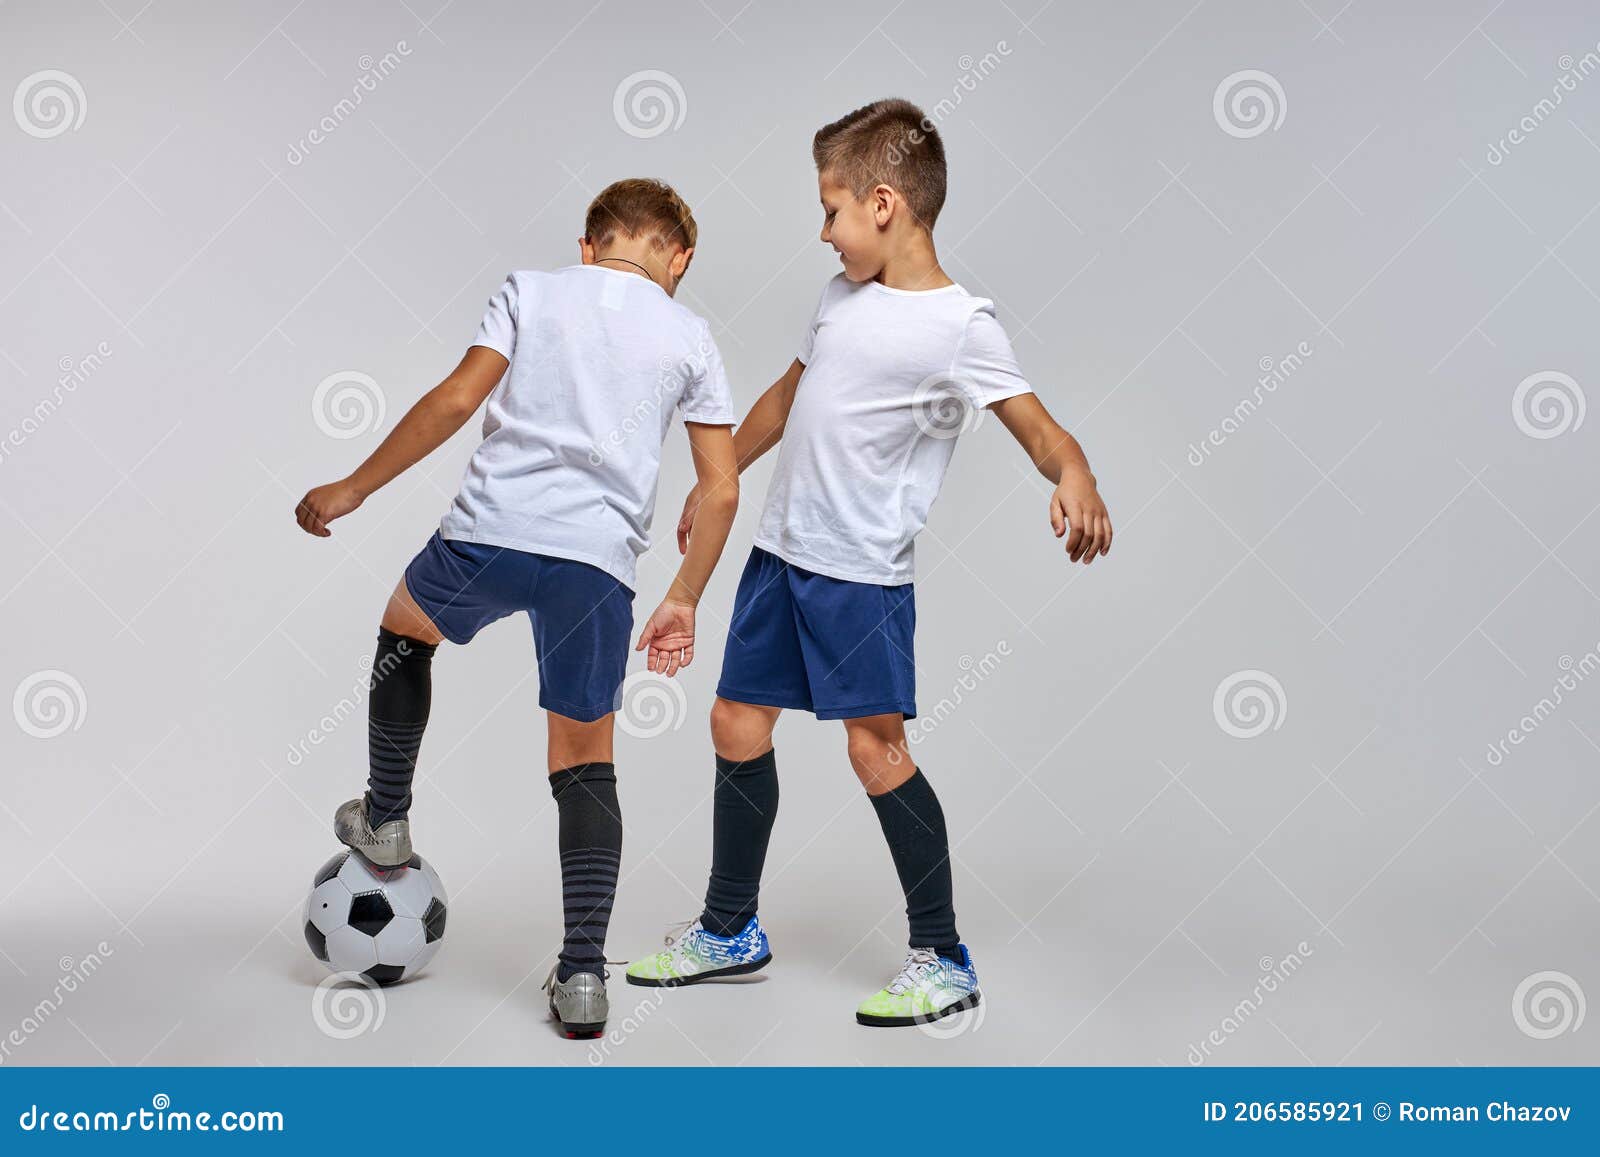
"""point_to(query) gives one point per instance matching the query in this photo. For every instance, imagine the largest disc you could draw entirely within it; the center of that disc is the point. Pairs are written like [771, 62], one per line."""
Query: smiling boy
[895, 360]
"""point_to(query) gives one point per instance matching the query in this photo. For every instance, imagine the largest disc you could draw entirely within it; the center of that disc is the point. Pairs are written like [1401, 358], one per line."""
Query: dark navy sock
[401, 688]
[591, 852]
[745, 803]
[913, 824]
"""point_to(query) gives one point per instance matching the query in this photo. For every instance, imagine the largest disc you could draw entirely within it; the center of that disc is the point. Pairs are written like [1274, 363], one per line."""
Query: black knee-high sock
[745, 803]
[401, 689]
[913, 823]
[591, 851]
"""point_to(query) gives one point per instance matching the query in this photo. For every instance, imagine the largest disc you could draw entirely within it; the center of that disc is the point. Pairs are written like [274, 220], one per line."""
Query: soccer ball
[385, 923]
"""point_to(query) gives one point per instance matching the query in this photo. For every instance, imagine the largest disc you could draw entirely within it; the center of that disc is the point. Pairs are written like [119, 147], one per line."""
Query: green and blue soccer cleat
[929, 987]
[697, 955]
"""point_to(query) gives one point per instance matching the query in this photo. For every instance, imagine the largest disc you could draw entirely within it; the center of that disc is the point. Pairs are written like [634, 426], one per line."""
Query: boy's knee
[738, 730]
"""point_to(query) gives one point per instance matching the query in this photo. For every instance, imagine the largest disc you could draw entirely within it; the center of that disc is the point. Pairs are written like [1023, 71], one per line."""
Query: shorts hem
[761, 699]
[580, 712]
[455, 637]
[908, 710]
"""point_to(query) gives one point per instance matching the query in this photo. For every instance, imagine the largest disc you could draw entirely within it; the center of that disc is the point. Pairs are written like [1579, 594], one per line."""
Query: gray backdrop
[1303, 773]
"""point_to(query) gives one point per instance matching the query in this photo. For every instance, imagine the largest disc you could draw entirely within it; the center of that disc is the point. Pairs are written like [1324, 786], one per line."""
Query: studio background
[1257, 739]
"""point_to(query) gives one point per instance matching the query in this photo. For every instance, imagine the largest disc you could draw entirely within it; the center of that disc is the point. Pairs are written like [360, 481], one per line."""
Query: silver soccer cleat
[388, 847]
[579, 1003]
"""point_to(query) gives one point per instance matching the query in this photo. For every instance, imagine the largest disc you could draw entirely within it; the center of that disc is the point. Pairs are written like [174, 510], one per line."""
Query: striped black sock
[401, 688]
[591, 852]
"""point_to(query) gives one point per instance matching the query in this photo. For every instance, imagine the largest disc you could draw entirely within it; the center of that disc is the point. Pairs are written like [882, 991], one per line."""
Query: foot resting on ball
[387, 847]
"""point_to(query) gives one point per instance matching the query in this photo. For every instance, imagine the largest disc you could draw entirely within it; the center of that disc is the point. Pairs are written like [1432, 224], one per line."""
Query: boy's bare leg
[404, 617]
[742, 731]
[877, 748]
[913, 824]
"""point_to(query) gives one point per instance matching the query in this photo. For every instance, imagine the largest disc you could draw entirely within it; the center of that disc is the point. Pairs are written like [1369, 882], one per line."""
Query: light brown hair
[888, 142]
[640, 206]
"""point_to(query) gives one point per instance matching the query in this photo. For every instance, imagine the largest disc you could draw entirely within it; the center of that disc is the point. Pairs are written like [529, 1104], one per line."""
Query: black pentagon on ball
[318, 942]
[433, 920]
[329, 870]
[385, 974]
[370, 912]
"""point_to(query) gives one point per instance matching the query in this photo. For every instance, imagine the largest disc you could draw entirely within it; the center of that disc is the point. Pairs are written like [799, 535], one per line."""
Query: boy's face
[851, 225]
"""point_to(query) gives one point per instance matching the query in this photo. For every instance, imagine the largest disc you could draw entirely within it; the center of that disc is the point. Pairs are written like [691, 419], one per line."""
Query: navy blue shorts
[838, 649]
[582, 616]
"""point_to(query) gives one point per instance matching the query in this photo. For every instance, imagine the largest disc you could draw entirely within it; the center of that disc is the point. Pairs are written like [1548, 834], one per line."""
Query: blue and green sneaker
[929, 987]
[697, 955]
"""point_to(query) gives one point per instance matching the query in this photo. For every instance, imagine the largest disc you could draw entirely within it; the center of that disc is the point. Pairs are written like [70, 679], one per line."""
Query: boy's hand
[669, 634]
[322, 505]
[1077, 503]
[691, 506]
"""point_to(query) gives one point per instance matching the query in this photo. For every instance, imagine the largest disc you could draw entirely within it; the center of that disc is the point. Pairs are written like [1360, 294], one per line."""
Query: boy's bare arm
[760, 431]
[1076, 502]
[669, 632]
[426, 426]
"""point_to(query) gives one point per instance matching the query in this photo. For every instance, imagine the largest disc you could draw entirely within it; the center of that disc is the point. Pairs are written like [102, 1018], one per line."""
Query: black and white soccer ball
[384, 923]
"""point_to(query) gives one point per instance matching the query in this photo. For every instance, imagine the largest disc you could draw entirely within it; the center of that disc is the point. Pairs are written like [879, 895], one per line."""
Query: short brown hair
[889, 142]
[640, 205]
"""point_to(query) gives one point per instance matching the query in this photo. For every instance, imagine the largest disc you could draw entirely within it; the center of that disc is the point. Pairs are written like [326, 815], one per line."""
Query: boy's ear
[883, 201]
[679, 265]
[585, 251]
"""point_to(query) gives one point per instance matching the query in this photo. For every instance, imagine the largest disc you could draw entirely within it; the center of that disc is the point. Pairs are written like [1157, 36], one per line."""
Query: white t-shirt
[892, 377]
[572, 435]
